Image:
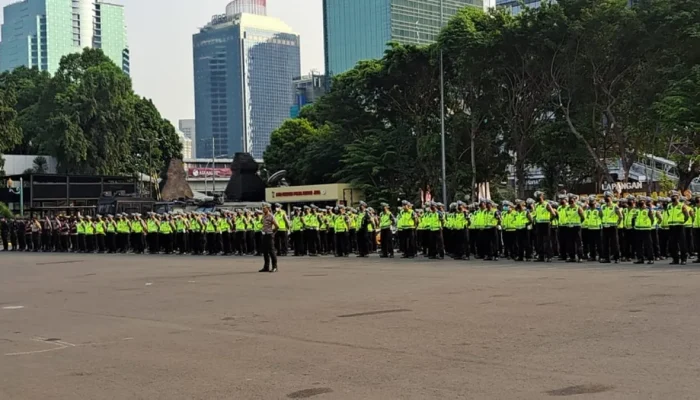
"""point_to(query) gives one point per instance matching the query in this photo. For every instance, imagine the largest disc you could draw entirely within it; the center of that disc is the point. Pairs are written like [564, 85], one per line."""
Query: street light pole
[213, 165]
[442, 116]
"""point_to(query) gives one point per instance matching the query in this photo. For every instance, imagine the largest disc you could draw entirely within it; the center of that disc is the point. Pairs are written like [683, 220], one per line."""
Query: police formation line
[629, 229]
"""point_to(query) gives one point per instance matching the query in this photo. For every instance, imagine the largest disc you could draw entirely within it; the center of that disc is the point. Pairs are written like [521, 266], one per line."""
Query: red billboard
[208, 172]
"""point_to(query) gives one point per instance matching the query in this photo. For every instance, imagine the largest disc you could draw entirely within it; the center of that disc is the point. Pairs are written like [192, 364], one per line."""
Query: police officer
[386, 221]
[611, 216]
[5, 233]
[282, 235]
[643, 224]
[543, 214]
[677, 216]
[341, 224]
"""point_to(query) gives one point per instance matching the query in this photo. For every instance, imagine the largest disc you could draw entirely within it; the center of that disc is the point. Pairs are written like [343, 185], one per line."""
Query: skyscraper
[356, 30]
[187, 127]
[37, 33]
[244, 62]
[515, 6]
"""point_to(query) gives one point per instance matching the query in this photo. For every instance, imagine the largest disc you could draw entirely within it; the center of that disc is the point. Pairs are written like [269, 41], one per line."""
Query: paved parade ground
[157, 327]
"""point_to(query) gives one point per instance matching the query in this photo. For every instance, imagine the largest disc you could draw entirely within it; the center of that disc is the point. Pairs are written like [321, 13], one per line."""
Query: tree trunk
[473, 162]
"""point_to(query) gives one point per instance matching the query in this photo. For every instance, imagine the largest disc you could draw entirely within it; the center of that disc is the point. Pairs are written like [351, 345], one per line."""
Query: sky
[160, 41]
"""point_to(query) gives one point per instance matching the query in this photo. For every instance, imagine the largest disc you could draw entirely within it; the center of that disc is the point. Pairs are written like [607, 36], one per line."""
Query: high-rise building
[307, 89]
[186, 145]
[244, 63]
[38, 33]
[516, 6]
[187, 127]
[356, 30]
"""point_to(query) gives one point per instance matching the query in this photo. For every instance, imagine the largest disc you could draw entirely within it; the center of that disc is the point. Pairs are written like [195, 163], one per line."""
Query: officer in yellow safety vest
[508, 229]
[593, 224]
[407, 222]
[628, 237]
[182, 226]
[311, 225]
[543, 216]
[695, 213]
[460, 232]
[297, 232]
[89, 234]
[574, 219]
[257, 229]
[522, 220]
[111, 236]
[224, 233]
[560, 227]
[386, 222]
[138, 227]
[611, 216]
[678, 214]
[100, 232]
[282, 235]
[210, 230]
[152, 229]
[341, 227]
[490, 237]
[643, 224]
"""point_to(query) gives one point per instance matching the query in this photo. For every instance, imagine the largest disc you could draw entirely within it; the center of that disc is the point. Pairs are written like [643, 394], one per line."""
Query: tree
[10, 133]
[288, 146]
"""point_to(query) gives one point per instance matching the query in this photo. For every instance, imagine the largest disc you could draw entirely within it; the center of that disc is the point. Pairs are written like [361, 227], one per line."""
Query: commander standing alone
[269, 228]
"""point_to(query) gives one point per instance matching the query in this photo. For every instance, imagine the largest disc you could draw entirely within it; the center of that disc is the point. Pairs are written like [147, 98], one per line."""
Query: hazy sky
[160, 39]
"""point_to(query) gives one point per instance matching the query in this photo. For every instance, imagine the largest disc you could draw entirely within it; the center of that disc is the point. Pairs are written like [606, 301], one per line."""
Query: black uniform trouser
[29, 240]
[281, 242]
[352, 240]
[123, 240]
[544, 245]
[560, 238]
[298, 240]
[5, 241]
[387, 240]
[182, 242]
[362, 244]
[226, 242]
[259, 243]
[322, 242]
[153, 246]
[21, 241]
[422, 237]
[523, 248]
[167, 242]
[408, 240]
[610, 244]
[137, 243]
[509, 244]
[100, 243]
[490, 239]
[655, 242]
[663, 242]
[268, 250]
[696, 239]
[574, 242]
[460, 242]
[642, 239]
[341, 244]
[196, 243]
[593, 243]
[36, 241]
[311, 239]
[676, 243]
[689, 242]
[241, 245]
[628, 247]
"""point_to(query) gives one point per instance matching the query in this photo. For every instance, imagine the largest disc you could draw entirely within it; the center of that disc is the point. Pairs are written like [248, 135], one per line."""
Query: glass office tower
[243, 69]
[357, 30]
[38, 33]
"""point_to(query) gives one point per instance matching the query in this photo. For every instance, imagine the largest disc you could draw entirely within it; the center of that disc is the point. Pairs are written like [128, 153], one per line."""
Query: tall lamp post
[20, 191]
[442, 116]
[150, 155]
[213, 174]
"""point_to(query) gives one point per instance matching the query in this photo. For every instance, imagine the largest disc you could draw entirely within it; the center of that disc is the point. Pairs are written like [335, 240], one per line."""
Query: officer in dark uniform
[14, 235]
[5, 233]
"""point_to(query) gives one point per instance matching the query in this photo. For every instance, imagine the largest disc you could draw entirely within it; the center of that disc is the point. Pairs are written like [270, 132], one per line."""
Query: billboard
[208, 173]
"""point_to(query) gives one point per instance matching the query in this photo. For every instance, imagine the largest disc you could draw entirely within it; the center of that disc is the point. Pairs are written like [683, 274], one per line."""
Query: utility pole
[213, 165]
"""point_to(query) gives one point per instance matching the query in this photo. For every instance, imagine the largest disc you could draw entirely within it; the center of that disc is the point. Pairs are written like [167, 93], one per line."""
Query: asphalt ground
[168, 327]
